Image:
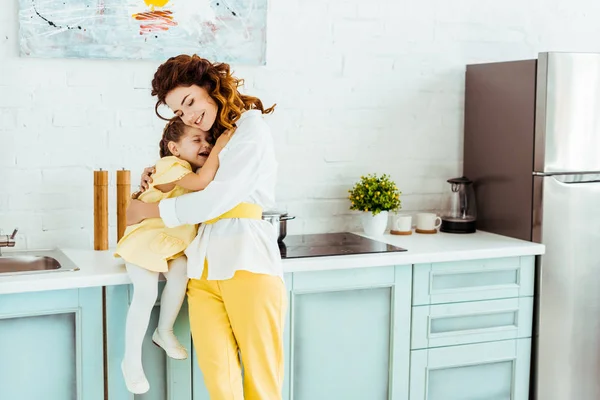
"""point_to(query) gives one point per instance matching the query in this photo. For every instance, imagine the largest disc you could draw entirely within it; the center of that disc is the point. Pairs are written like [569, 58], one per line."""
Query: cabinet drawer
[471, 322]
[344, 279]
[496, 370]
[485, 279]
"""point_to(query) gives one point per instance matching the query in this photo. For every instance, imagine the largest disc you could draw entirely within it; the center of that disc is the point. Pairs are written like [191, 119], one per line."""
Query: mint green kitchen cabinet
[473, 280]
[484, 371]
[350, 334]
[472, 328]
[455, 330]
[347, 335]
[452, 324]
[451, 330]
[169, 379]
[51, 345]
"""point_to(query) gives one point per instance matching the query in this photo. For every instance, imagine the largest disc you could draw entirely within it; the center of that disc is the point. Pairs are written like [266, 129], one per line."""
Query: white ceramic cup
[428, 221]
[403, 223]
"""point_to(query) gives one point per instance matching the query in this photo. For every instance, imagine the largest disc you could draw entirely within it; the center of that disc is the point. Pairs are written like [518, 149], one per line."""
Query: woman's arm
[137, 211]
[236, 179]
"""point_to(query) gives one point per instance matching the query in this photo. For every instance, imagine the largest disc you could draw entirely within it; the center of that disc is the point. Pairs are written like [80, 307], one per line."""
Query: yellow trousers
[244, 313]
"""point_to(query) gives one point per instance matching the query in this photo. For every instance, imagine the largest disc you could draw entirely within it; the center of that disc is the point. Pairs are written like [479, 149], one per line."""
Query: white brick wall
[361, 87]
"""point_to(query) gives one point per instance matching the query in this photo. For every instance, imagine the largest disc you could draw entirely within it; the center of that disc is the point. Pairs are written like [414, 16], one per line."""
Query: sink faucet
[8, 240]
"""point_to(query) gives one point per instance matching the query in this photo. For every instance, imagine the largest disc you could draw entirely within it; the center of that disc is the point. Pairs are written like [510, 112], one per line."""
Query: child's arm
[204, 176]
[201, 179]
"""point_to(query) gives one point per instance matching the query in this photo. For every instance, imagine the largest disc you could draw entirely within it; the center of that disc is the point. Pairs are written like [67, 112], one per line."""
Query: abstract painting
[232, 31]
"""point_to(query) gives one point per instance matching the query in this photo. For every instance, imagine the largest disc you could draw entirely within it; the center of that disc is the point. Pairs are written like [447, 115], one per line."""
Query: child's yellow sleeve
[170, 169]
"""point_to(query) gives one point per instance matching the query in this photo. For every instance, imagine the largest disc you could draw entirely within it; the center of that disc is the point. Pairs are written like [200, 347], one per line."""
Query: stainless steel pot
[279, 222]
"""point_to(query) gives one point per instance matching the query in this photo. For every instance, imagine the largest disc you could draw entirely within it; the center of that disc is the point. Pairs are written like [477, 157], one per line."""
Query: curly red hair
[215, 78]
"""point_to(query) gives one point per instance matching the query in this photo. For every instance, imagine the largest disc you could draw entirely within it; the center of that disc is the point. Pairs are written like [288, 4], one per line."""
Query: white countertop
[100, 268]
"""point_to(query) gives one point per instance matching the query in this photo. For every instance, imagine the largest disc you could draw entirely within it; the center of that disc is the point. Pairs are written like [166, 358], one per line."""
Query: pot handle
[287, 217]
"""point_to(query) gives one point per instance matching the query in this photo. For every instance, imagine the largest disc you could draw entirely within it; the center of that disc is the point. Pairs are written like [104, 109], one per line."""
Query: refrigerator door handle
[572, 178]
[577, 179]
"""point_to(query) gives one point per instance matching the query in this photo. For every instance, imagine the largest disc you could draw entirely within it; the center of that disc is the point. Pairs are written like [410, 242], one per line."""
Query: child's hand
[223, 140]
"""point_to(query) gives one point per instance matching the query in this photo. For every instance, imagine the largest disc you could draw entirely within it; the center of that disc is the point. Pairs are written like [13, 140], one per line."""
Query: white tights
[145, 292]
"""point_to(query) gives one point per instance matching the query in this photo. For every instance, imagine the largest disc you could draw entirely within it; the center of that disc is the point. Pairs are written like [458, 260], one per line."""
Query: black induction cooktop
[332, 244]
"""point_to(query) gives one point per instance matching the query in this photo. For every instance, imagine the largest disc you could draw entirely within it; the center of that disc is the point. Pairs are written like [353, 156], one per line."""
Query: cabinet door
[486, 279]
[486, 371]
[471, 322]
[51, 345]
[169, 379]
[350, 334]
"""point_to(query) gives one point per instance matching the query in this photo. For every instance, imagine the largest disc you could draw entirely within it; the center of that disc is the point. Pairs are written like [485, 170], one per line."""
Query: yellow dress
[150, 244]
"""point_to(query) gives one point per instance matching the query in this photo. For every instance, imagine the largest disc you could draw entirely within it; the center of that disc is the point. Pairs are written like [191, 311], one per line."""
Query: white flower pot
[374, 225]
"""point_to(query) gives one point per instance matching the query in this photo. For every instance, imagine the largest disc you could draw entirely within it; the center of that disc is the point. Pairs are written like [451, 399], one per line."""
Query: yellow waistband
[242, 210]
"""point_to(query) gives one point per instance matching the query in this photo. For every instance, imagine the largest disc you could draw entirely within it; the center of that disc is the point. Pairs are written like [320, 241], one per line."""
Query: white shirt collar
[248, 113]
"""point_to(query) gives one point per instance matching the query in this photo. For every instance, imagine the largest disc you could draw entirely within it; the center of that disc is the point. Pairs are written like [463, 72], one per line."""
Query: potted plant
[374, 196]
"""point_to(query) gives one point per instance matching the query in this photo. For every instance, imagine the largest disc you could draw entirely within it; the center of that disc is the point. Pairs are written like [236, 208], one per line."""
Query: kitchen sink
[35, 262]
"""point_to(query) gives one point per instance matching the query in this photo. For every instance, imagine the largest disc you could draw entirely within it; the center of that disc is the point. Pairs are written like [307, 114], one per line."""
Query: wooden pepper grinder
[123, 195]
[100, 210]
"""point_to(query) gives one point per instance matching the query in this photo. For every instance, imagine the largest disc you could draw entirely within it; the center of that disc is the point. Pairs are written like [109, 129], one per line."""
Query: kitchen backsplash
[360, 86]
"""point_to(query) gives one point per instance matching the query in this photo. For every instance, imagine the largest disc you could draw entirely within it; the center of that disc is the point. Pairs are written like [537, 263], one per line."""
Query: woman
[236, 294]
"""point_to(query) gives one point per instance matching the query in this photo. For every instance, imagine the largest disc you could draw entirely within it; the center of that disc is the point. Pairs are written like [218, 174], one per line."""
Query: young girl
[150, 248]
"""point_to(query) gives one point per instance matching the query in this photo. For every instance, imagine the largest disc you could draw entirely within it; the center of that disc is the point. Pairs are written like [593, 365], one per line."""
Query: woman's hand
[135, 212]
[146, 178]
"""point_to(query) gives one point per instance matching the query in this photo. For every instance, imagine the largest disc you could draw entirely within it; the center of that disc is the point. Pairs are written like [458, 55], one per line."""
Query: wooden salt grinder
[123, 195]
[100, 210]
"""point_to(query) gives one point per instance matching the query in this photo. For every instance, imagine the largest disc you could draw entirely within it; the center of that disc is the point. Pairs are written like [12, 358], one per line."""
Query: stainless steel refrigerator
[532, 147]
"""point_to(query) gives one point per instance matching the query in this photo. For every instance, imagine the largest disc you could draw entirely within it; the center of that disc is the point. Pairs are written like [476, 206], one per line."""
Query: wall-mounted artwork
[232, 31]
